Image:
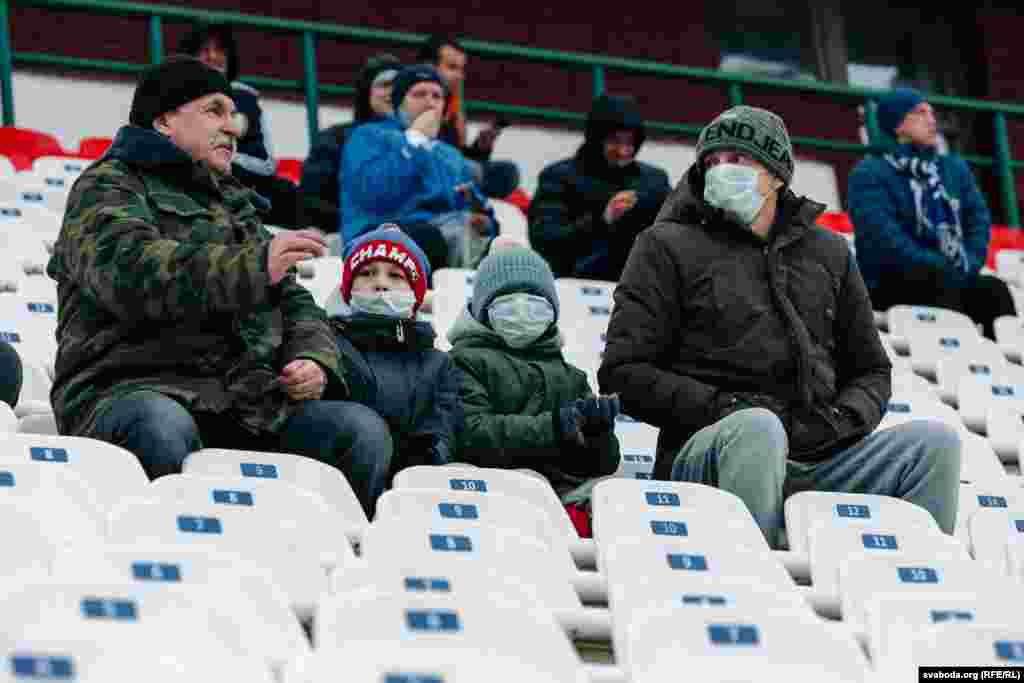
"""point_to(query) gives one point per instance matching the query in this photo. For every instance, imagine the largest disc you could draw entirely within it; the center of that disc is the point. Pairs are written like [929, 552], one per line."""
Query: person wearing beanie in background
[181, 322]
[745, 333]
[525, 406]
[393, 365]
[589, 208]
[397, 171]
[322, 168]
[921, 225]
[254, 164]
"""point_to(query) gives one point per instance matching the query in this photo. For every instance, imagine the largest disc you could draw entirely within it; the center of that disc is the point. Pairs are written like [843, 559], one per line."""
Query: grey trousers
[745, 453]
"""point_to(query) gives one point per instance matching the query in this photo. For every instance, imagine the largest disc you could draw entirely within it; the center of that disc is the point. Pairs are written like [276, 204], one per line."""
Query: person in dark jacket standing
[921, 226]
[322, 167]
[745, 333]
[525, 406]
[254, 164]
[589, 208]
[393, 365]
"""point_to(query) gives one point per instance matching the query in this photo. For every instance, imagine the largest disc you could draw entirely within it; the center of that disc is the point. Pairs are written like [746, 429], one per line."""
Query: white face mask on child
[394, 303]
[520, 319]
[733, 188]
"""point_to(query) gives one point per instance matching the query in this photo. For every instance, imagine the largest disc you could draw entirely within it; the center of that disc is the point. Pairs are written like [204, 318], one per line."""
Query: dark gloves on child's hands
[598, 413]
[568, 420]
[590, 424]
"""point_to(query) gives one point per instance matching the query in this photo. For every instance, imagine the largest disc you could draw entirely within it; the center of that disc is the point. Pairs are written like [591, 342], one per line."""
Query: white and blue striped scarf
[938, 214]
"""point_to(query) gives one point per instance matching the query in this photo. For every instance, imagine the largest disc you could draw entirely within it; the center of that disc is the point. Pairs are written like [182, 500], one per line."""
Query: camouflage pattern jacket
[161, 268]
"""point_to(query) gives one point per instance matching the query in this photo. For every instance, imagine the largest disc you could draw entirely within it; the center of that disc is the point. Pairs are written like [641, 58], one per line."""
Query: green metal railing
[311, 33]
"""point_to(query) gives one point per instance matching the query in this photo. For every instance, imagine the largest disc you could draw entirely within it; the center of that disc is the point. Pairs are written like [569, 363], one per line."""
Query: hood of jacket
[374, 66]
[609, 114]
[469, 331]
[222, 34]
[686, 205]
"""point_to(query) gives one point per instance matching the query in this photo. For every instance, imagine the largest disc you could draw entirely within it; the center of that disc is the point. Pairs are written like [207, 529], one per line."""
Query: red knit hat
[389, 244]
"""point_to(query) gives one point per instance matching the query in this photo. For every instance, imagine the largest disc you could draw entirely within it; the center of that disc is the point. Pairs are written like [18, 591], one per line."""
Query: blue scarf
[938, 214]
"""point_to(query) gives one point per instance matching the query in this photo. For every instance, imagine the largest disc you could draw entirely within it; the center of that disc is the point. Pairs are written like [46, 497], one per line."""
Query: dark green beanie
[757, 132]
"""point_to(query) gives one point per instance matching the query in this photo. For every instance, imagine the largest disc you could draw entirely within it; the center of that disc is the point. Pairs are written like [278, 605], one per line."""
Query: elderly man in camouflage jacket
[181, 325]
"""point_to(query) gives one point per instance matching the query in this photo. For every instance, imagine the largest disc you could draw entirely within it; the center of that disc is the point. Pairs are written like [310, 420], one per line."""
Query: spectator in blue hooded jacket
[921, 224]
[398, 171]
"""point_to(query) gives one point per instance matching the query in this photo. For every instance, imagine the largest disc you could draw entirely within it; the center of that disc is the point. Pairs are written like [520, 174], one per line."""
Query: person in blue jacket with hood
[397, 171]
[921, 225]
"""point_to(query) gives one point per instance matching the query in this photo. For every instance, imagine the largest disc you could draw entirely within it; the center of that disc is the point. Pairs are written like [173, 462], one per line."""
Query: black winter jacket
[707, 312]
[396, 370]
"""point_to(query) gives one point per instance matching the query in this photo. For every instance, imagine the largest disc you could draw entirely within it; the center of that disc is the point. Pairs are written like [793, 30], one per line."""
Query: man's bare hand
[428, 123]
[480, 223]
[303, 380]
[289, 248]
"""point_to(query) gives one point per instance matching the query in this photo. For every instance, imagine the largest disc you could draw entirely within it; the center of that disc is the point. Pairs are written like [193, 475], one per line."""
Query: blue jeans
[161, 433]
[745, 453]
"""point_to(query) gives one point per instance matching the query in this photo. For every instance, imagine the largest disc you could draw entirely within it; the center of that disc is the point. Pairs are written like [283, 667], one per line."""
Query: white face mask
[520, 319]
[733, 188]
[395, 303]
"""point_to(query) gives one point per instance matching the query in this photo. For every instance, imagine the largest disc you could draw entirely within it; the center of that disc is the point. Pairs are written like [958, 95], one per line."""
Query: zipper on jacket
[400, 331]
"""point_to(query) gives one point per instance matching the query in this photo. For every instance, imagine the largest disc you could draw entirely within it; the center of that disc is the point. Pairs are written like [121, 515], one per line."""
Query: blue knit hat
[410, 76]
[894, 106]
[511, 269]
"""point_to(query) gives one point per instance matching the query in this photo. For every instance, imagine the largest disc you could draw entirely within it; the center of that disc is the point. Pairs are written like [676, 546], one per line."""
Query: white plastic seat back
[38, 539]
[8, 420]
[737, 645]
[423, 549]
[986, 366]
[808, 509]
[512, 220]
[111, 611]
[703, 524]
[296, 567]
[58, 494]
[113, 472]
[428, 621]
[80, 659]
[902, 319]
[928, 347]
[893, 620]
[45, 191]
[830, 546]
[374, 662]
[978, 460]
[329, 482]
[30, 326]
[54, 166]
[486, 480]
[220, 581]
[303, 512]
[1005, 432]
[861, 578]
[458, 508]
[321, 276]
[997, 535]
[978, 401]
[905, 406]
[638, 442]
[1009, 330]
[623, 507]
[38, 423]
[29, 216]
[955, 645]
[453, 290]
[1001, 496]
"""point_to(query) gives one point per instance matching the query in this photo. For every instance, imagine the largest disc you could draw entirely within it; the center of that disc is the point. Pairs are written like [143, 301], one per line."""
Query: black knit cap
[167, 86]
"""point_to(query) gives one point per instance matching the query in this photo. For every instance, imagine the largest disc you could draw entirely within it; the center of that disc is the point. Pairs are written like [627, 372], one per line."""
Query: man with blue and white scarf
[921, 224]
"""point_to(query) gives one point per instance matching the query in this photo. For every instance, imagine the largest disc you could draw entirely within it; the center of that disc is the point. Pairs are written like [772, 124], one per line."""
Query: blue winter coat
[396, 370]
[385, 178]
[881, 207]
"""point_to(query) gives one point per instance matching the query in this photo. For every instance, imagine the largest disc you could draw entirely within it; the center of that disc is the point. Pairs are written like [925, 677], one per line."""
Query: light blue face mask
[520, 319]
[395, 303]
[733, 188]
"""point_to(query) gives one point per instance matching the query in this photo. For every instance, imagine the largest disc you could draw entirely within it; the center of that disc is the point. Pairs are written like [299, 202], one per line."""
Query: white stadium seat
[512, 220]
[54, 166]
[322, 479]
[638, 443]
[485, 480]
[453, 289]
[321, 276]
[1009, 330]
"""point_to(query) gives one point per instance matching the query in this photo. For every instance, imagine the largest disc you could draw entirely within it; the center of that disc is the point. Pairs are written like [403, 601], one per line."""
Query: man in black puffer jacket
[746, 333]
[590, 207]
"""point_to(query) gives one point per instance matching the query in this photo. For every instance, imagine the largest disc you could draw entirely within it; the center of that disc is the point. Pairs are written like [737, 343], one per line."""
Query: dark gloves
[585, 430]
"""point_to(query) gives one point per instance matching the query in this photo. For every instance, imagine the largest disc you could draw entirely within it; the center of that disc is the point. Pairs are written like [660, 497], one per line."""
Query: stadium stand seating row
[264, 567]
